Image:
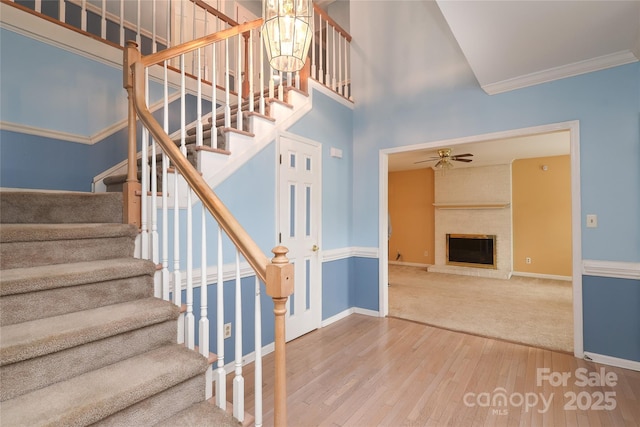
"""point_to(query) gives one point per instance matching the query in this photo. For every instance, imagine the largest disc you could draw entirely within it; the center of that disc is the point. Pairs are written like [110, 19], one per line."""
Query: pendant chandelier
[287, 33]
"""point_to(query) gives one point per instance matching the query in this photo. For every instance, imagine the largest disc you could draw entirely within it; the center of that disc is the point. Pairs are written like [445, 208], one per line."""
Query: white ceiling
[514, 44]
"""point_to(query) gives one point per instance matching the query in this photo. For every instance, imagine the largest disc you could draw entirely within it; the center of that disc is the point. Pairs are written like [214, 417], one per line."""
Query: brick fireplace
[474, 201]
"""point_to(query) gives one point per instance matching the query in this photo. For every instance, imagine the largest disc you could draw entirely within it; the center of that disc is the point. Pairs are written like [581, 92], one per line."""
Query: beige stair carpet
[530, 311]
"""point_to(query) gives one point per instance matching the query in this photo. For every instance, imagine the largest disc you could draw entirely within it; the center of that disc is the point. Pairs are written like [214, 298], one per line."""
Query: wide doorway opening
[493, 246]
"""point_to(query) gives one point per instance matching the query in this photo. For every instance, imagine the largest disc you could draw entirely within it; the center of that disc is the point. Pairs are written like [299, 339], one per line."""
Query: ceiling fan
[445, 158]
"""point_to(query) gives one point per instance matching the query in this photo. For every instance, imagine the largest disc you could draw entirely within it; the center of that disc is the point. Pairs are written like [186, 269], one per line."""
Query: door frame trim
[576, 235]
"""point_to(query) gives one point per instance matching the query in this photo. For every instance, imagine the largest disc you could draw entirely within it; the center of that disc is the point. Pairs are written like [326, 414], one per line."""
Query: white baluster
[103, 20]
[38, 6]
[189, 319]
[138, 28]
[238, 381]
[83, 15]
[206, 62]
[168, 27]
[199, 138]
[281, 86]
[340, 87]
[271, 83]
[238, 85]
[62, 11]
[258, 354]
[154, 36]
[144, 200]
[327, 77]
[221, 386]
[155, 256]
[122, 41]
[346, 72]
[183, 120]
[251, 93]
[320, 70]
[177, 276]
[203, 325]
[214, 98]
[165, 191]
[227, 107]
[313, 44]
[182, 21]
[333, 49]
[262, 106]
[345, 90]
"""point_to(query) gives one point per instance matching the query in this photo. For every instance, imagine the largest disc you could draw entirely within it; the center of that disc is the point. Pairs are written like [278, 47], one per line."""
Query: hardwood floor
[366, 371]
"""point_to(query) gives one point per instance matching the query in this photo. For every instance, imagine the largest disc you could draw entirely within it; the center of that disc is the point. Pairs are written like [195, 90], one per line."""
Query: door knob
[315, 248]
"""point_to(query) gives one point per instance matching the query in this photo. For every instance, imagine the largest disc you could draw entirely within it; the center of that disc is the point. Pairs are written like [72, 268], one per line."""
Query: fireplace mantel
[484, 205]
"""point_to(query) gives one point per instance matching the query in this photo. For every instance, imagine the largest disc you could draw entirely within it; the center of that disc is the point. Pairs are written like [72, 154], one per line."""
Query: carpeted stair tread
[35, 338]
[32, 279]
[203, 414]
[59, 207]
[45, 232]
[95, 395]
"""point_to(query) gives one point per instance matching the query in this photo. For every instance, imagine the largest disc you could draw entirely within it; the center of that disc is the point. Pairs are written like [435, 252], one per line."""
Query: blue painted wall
[612, 316]
[248, 318]
[338, 292]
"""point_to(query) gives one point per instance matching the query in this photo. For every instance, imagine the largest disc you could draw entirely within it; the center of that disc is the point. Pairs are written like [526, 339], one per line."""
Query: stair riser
[31, 254]
[160, 406]
[49, 208]
[32, 374]
[53, 302]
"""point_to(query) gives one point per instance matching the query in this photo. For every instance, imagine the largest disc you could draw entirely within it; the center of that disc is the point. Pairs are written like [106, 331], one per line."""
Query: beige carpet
[536, 312]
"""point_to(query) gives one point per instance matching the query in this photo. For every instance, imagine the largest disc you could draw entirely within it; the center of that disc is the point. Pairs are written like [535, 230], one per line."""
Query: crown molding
[557, 73]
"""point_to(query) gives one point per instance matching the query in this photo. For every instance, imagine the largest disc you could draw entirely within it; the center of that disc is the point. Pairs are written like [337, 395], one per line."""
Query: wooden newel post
[131, 188]
[279, 286]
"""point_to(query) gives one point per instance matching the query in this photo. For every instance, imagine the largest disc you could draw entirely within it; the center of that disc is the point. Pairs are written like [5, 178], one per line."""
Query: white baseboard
[337, 317]
[249, 358]
[366, 312]
[542, 276]
[409, 264]
[612, 361]
[349, 312]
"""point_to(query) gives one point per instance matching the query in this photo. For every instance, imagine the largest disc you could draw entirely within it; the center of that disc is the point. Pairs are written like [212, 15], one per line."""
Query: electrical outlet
[227, 330]
[527, 260]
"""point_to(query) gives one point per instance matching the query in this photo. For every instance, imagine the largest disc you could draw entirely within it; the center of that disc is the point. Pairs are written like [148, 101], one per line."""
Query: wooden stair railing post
[279, 286]
[131, 188]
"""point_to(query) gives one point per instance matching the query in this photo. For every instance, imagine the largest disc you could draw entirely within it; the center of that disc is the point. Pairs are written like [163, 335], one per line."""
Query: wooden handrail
[249, 249]
[221, 16]
[333, 23]
[172, 52]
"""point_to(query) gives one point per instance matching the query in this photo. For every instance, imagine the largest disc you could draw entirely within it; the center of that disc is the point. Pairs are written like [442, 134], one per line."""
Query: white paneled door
[300, 199]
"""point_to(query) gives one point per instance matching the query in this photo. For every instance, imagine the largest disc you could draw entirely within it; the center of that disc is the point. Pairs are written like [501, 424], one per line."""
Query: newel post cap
[279, 274]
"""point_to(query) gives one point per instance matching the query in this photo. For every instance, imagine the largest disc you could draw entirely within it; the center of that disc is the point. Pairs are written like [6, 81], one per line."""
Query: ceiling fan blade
[438, 164]
[462, 160]
[427, 160]
[462, 155]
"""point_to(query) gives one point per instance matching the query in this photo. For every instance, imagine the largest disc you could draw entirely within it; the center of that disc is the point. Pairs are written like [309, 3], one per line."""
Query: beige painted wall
[541, 204]
[411, 196]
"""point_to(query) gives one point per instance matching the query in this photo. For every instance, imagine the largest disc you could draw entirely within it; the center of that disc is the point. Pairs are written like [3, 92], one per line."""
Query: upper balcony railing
[156, 25]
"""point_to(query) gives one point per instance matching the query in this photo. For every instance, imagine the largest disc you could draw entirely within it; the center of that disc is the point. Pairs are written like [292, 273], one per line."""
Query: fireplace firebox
[471, 250]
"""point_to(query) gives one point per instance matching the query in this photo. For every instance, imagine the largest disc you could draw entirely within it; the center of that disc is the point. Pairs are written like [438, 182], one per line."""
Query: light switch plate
[592, 221]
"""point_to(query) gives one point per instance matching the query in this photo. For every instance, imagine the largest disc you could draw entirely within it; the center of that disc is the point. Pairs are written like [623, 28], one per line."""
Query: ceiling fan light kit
[445, 158]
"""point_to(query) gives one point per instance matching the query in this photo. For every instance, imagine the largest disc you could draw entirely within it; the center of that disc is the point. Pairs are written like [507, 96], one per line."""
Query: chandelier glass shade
[287, 33]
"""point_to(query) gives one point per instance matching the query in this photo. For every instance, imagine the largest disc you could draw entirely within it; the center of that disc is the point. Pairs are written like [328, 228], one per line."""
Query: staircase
[223, 142]
[82, 339]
